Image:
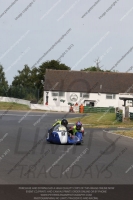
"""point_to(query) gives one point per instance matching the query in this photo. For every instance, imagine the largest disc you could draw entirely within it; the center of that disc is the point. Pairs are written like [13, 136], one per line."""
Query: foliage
[28, 84]
[53, 64]
[24, 78]
[23, 93]
[97, 69]
[92, 69]
[3, 83]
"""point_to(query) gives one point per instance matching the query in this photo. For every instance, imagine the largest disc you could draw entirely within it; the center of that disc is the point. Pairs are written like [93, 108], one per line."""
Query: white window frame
[113, 96]
[62, 94]
[129, 101]
[55, 93]
[83, 94]
[58, 94]
[124, 93]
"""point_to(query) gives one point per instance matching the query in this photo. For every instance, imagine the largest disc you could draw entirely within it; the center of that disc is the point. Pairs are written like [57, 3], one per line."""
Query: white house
[98, 89]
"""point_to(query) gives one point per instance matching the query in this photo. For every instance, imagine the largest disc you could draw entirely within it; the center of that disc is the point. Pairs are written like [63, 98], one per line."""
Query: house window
[55, 94]
[84, 95]
[110, 96]
[124, 93]
[61, 94]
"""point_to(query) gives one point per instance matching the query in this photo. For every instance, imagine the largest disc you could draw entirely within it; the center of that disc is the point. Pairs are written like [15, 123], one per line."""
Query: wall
[15, 100]
[58, 103]
[39, 106]
[100, 99]
[131, 109]
[50, 108]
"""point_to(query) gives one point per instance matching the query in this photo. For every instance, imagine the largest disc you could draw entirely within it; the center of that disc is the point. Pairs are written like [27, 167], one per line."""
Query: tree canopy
[98, 69]
[3, 83]
[92, 69]
[28, 83]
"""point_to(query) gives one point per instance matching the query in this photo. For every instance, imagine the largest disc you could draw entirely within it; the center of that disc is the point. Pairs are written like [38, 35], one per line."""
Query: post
[124, 102]
[47, 98]
[37, 95]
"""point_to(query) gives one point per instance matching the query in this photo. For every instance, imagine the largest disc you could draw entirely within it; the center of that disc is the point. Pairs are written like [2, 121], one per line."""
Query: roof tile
[84, 81]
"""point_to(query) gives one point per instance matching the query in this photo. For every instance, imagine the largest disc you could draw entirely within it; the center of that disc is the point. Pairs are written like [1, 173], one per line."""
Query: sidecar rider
[77, 128]
[63, 122]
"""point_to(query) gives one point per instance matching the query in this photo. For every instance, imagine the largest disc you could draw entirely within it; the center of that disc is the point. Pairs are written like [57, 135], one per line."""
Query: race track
[103, 162]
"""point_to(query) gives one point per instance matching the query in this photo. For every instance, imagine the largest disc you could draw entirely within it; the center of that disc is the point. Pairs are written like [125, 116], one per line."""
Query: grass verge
[13, 106]
[128, 133]
[108, 120]
[101, 120]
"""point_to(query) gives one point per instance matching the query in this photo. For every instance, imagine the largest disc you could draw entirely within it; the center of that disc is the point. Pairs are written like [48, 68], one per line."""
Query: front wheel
[47, 136]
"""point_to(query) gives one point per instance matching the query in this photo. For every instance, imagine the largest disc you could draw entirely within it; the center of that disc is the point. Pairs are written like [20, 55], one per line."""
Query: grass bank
[101, 120]
[13, 106]
[128, 133]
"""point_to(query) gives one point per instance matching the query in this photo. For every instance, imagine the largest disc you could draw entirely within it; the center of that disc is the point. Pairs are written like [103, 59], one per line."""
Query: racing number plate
[63, 133]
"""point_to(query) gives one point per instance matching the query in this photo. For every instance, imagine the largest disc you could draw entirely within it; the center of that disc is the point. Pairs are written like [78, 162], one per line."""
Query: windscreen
[59, 128]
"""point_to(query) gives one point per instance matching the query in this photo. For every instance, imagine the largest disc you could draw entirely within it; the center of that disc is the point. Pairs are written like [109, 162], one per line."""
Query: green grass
[128, 133]
[102, 120]
[13, 106]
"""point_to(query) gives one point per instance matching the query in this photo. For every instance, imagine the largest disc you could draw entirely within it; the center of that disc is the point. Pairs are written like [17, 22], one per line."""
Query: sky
[35, 31]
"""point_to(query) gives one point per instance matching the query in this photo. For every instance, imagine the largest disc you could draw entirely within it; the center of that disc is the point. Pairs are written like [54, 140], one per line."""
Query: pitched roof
[87, 81]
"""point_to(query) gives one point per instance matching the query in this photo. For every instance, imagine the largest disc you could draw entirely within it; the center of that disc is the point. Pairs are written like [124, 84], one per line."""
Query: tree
[3, 83]
[33, 80]
[97, 67]
[92, 69]
[23, 79]
[23, 85]
[53, 64]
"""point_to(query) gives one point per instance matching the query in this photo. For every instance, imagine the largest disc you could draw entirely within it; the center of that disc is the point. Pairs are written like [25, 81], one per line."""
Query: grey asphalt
[20, 131]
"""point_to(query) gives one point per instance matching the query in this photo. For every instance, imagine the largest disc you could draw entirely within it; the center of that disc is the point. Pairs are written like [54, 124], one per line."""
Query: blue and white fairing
[60, 136]
[77, 139]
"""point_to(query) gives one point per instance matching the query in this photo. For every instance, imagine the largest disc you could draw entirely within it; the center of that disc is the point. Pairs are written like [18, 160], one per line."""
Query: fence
[88, 109]
[119, 117]
[27, 93]
[15, 100]
[131, 116]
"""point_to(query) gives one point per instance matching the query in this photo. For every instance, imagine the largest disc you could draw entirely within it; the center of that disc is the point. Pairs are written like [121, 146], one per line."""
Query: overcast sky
[97, 28]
